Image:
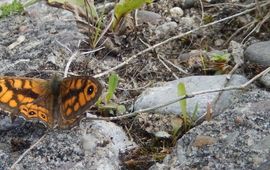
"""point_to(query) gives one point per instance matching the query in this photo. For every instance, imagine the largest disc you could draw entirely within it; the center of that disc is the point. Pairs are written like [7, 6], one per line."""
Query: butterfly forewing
[77, 94]
[27, 97]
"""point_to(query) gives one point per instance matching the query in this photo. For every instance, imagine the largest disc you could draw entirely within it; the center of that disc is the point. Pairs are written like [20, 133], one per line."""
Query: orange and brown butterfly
[52, 102]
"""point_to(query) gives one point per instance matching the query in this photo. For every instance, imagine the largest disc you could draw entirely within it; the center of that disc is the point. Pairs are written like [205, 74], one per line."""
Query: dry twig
[238, 31]
[240, 87]
[74, 55]
[202, 8]
[175, 66]
[257, 27]
[174, 38]
[69, 62]
[168, 68]
[104, 31]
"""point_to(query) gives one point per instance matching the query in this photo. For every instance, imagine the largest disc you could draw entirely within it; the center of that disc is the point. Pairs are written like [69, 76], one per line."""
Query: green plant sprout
[124, 7]
[109, 105]
[99, 25]
[183, 103]
[222, 58]
[10, 9]
[208, 19]
[186, 121]
[113, 83]
[93, 23]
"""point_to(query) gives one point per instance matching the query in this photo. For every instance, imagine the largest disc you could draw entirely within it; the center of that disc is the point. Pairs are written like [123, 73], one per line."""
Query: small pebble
[176, 12]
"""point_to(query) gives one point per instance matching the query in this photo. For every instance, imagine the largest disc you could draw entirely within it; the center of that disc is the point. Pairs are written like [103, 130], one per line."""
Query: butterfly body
[52, 101]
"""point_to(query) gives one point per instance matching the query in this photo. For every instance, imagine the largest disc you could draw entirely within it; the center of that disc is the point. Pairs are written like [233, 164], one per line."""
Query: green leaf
[9, 9]
[183, 103]
[123, 7]
[98, 103]
[195, 111]
[120, 109]
[113, 83]
[220, 57]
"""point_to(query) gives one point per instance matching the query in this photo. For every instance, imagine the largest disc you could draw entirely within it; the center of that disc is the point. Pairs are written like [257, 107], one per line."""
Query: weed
[208, 19]
[223, 58]
[108, 105]
[186, 121]
[93, 23]
[124, 7]
[10, 9]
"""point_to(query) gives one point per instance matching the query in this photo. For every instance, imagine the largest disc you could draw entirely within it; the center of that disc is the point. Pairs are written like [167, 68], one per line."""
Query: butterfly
[52, 102]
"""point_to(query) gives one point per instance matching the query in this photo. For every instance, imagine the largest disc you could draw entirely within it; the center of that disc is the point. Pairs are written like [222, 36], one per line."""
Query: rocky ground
[40, 42]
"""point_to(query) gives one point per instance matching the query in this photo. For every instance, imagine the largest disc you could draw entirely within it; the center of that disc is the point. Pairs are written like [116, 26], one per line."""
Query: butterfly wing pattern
[26, 97]
[77, 94]
[50, 102]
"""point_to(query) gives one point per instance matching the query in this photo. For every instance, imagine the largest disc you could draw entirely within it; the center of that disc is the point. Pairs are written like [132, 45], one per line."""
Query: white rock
[168, 91]
[176, 12]
[165, 28]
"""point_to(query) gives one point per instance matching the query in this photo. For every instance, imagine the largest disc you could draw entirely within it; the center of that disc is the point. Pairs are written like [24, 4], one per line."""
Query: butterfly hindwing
[27, 97]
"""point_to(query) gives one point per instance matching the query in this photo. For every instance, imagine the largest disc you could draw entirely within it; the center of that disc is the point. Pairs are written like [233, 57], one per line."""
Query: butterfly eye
[32, 113]
[90, 90]
[43, 116]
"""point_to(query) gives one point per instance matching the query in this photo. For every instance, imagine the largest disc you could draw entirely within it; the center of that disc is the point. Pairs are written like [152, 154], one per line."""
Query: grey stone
[237, 52]
[219, 42]
[6, 124]
[258, 53]
[93, 145]
[263, 144]
[3, 156]
[148, 17]
[165, 28]
[215, 1]
[45, 35]
[168, 91]
[4, 52]
[188, 22]
[176, 12]
[265, 80]
[188, 4]
[241, 134]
